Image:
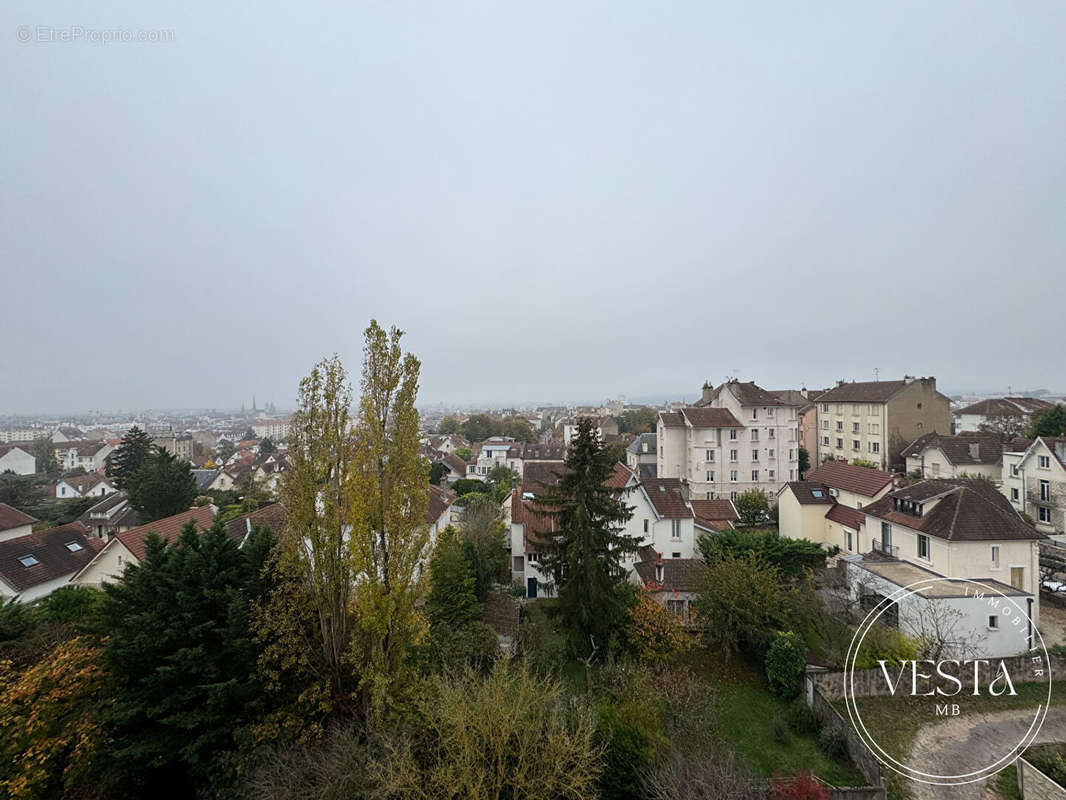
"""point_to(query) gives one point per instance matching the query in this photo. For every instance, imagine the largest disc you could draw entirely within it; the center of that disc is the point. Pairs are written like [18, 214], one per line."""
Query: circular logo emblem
[980, 653]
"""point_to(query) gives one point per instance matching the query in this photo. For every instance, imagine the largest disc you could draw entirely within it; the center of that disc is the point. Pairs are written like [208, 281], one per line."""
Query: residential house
[14, 523]
[874, 420]
[642, 450]
[17, 459]
[964, 455]
[826, 508]
[738, 437]
[85, 454]
[663, 519]
[204, 479]
[90, 484]
[605, 427]
[110, 516]
[35, 565]
[504, 451]
[128, 547]
[961, 528]
[446, 443]
[1034, 481]
[1009, 415]
[674, 582]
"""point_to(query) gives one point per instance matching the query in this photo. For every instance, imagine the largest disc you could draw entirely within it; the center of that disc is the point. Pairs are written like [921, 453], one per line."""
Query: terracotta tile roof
[49, 548]
[965, 510]
[672, 419]
[793, 397]
[963, 448]
[712, 417]
[851, 478]
[620, 478]
[455, 464]
[272, 516]
[711, 512]
[543, 452]
[438, 504]
[169, 528]
[543, 473]
[750, 393]
[679, 574]
[809, 493]
[861, 392]
[537, 521]
[665, 495]
[846, 516]
[1012, 406]
[13, 518]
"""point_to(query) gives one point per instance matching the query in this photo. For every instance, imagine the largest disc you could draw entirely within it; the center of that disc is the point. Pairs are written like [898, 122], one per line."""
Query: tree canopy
[161, 487]
[129, 456]
[1047, 422]
[586, 558]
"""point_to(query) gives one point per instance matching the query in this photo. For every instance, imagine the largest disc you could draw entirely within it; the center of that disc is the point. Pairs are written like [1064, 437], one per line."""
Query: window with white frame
[675, 529]
[710, 455]
[1014, 493]
[1045, 514]
[733, 434]
[755, 434]
[825, 424]
[755, 455]
[1045, 490]
[771, 453]
[825, 441]
[733, 475]
[1044, 462]
[923, 546]
[733, 455]
[770, 475]
[710, 476]
[995, 556]
[755, 474]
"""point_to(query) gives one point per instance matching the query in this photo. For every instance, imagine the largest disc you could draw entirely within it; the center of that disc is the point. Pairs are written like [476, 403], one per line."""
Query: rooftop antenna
[877, 374]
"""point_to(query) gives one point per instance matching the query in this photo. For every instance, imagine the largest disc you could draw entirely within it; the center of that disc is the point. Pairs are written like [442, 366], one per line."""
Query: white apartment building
[738, 437]
[88, 455]
[1034, 481]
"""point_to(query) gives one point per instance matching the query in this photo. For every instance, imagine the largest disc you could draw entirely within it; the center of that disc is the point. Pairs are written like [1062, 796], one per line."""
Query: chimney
[659, 570]
[908, 379]
[686, 492]
[708, 390]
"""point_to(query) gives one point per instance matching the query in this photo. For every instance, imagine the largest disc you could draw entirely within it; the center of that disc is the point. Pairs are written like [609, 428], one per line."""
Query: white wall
[18, 461]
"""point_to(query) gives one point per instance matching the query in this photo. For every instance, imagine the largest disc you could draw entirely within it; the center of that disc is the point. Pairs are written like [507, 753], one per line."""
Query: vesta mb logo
[947, 678]
[975, 659]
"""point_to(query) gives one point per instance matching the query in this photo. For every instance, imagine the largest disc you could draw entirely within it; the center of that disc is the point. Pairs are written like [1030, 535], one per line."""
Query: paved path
[976, 739]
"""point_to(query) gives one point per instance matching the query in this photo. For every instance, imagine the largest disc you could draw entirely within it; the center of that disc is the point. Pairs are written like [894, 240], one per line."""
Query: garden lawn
[746, 711]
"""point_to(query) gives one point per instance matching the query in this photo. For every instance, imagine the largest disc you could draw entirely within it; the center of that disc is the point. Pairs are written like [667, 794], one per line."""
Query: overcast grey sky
[556, 200]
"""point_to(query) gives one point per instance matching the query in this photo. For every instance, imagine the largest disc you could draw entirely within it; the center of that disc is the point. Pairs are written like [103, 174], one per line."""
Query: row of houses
[954, 530]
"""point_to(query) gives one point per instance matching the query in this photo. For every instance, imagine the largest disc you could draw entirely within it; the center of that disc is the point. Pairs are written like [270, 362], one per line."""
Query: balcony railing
[889, 550]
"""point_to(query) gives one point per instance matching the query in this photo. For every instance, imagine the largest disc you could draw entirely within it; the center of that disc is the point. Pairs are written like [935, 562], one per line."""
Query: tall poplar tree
[389, 535]
[585, 556]
[314, 544]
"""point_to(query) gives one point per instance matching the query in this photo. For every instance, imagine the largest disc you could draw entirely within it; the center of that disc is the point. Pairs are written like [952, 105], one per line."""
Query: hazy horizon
[560, 200]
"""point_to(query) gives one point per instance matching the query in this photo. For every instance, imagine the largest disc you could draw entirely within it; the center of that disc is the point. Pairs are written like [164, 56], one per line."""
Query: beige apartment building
[876, 420]
[737, 437]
